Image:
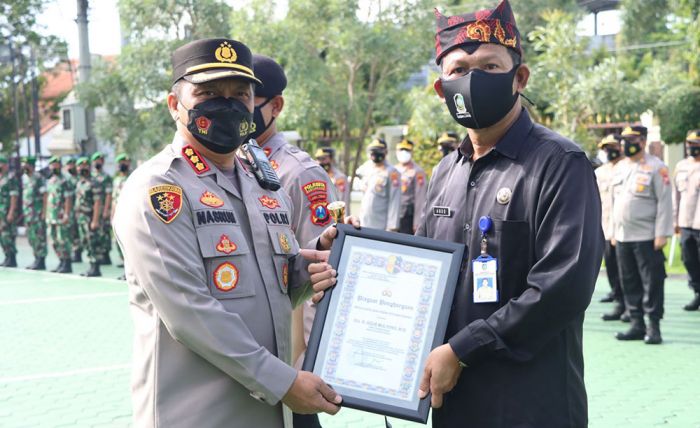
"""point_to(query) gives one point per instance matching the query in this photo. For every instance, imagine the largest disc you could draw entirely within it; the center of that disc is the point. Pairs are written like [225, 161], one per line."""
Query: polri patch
[166, 201]
[226, 276]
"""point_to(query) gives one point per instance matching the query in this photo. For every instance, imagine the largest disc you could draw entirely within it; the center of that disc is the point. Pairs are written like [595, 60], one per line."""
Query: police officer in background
[308, 185]
[512, 358]
[604, 174]
[212, 263]
[642, 223]
[104, 232]
[325, 156]
[414, 186]
[33, 211]
[686, 213]
[448, 142]
[71, 176]
[9, 212]
[381, 184]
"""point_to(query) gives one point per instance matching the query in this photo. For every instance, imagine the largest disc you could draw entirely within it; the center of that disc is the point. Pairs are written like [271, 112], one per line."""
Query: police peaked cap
[635, 131]
[693, 136]
[205, 60]
[377, 143]
[271, 74]
[609, 139]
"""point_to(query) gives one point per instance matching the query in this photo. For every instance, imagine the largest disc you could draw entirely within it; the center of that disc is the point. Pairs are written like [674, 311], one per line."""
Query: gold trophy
[337, 210]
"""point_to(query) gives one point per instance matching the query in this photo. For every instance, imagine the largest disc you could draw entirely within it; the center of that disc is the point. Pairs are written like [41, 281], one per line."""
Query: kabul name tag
[442, 212]
[485, 272]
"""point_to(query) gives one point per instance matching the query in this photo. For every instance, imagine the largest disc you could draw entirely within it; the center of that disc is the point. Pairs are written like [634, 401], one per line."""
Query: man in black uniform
[516, 360]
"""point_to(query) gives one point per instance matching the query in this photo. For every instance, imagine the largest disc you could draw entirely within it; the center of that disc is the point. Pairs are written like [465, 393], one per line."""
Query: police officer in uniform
[448, 142]
[381, 184]
[104, 233]
[604, 174]
[88, 206]
[71, 176]
[211, 262]
[9, 204]
[529, 196]
[414, 186]
[325, 156]
[59, 214]
[686, 213]
[308, 185]
[642, 223]
[33, 205]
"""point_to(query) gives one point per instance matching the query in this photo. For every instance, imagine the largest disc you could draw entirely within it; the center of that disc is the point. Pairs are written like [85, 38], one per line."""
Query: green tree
[678, 112]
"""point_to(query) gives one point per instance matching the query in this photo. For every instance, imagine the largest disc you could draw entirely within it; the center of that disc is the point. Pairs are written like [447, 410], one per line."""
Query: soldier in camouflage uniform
[59, 214]
[71, 176]
[33, 196]
[88, 206]
[104, 236]
[123, 169]
[9, 194]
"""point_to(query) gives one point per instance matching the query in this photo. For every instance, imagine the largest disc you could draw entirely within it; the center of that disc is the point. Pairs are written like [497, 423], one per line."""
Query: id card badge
[485, 272]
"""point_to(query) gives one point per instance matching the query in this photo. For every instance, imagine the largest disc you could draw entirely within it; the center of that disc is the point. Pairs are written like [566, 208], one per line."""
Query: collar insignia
[195, 160]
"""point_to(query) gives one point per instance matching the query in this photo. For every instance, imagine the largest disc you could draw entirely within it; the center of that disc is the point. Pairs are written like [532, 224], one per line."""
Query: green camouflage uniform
[87, 191]
[58, 190]
[117, 184]
[72, 182]
[104, 235]
[9, 186]
[33, 190]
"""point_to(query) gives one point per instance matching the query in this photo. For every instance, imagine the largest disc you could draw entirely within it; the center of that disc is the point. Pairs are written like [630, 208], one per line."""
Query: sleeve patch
[319, 213]
[315, 190]
[166, 201]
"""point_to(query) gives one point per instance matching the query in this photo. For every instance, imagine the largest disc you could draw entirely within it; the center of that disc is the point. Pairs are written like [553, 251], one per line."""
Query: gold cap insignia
[225, 53]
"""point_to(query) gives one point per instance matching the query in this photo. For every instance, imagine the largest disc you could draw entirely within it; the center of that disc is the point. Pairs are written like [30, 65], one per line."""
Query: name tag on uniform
[442, 212]
[485, 272]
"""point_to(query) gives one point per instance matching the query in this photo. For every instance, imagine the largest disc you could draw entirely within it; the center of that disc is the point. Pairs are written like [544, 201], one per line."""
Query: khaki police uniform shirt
[381, 202]
[342, 186]
[642, 207]
[604, 175]
[210, 267]
[686, 180]
[414, 188]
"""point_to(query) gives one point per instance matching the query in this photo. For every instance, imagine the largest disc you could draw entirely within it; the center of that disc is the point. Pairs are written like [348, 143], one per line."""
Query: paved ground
[68, 343]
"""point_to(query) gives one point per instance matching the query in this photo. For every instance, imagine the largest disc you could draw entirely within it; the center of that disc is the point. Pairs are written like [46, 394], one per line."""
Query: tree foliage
[679, 112]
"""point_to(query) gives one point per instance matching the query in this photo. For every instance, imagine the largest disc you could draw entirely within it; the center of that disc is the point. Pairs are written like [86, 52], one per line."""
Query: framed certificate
[374, 330]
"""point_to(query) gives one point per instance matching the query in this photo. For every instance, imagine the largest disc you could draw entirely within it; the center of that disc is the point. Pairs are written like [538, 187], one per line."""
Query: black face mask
[85, 172]
[259, 125]
[55, 171]
[123, 167]
[72, 171]
[612, 154]
[377, 157]
[694, 151]
[220, 124]
[98, 166]
[480, 99]
[446, 150]
[326, 166]
[632, 149]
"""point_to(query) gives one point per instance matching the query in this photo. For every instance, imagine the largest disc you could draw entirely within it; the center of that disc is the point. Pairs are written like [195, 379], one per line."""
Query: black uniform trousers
[642, 274]
[406, 221]
[613, 272]
[306, 421]
[690, 253]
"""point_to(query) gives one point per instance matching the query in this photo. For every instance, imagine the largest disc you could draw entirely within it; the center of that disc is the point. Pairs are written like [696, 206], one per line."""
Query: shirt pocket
[227, 261]
[681, 182]
[512, 251]
[284, 247]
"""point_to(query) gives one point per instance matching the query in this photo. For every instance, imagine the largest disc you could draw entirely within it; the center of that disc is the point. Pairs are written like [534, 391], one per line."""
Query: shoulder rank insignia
[211, 200]
[166, 201]
[284, 243]
[315, 190]
[195, 160]
[269, 202]
[267, 151]
[226, 276]
[225, 245]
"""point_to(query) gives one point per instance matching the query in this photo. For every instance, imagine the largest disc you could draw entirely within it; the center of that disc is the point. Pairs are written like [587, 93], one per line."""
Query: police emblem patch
[211, 200]
[225, 245]
[319, 213]
[226, 276]
[503, 195]
[284, 242]
[166, 201]
[269, 202]
[225, 53]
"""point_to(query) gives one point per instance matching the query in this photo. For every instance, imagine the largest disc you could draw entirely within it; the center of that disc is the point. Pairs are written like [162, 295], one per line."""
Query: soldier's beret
[31, 160]
[96, 155]
[485, 26]
[3, 158]
[271, 74]
[70, 160]
[635, 131]
[609, 139]
[405, 145]
[82, 160]
[122, 156]
[211, 59]
[693, 136]
[55, 159]
[377, 143]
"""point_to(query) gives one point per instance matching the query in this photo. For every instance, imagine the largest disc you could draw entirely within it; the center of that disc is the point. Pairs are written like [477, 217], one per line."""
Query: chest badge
[504, 195]
[211, 200]
[269, 202]
[284, 243]
[226, 276]
[225, 245]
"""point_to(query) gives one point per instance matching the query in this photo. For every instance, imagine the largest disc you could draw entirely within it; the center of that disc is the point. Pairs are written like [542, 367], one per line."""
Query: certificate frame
[447, 255]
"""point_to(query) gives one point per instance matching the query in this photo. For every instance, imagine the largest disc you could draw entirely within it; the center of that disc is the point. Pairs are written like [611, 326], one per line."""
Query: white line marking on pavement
[69, 373]
[63, 298]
